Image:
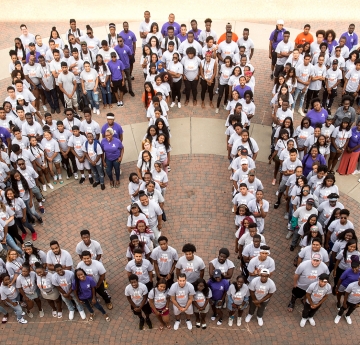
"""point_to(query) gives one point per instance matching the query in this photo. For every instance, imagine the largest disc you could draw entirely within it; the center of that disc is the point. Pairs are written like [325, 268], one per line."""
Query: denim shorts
[332, 149]
[57, 158]
[230, 303]
[215, 303]
[32, 296]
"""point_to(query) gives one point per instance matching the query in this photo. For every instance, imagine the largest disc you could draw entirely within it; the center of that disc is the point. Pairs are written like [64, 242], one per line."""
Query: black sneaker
[305, 110]
[132, 93]
[57, 111]
[148, 322]
[91, 180]
[271, 76]
[95, 184]
[141, 324]
[132, 78]
[329, 111]
[102, 187]
[40, 221]
[82, 180]
[52, 111]
[183, 92]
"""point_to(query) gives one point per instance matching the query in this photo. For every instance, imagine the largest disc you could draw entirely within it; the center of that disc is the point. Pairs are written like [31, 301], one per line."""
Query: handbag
[163, 216]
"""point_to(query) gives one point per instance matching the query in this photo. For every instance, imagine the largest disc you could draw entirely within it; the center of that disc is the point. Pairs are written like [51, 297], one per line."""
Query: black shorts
[278, 70]
[298, 293]
[146, 309]
[273, 57]
[117, 85]
[132, 59]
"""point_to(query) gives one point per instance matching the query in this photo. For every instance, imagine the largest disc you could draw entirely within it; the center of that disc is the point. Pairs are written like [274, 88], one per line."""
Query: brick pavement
[198, 210]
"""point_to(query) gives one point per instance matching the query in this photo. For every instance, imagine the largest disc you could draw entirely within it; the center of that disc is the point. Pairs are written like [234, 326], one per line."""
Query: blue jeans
[3, 311]
[109, 167]
[93, 98]
[70, 305]
[106, 93]
[98, 172]
[17, 309]
[31, 210]
[97, 305]
[11, 243]
[52, 98]
[302, 97]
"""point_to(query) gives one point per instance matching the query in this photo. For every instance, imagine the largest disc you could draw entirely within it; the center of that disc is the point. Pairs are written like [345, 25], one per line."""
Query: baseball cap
[251, 172]
[265, 271]
[330, 117]
[335, 62]
[244, 151]
[83, 43]
[19, 97]
[280, 21]
[324, 277]
[314, 228]
[113, 54]
[244, 161]
[346, 119]
[217, 274]
[32, 44]
[310, 201]
[333, 197]
[28, 244]
[316, 257]
[133, 205]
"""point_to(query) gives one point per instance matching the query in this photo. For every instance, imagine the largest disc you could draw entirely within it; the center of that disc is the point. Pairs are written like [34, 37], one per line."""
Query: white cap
[244, 161]
[280, 21]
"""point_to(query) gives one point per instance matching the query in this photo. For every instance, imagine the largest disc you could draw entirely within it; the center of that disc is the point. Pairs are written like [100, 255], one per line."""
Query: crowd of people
[73, 74]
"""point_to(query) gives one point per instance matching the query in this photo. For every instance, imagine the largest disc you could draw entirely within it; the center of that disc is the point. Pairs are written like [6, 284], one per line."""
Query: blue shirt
[196, 34]
[354, 139]
[317, 116]
[242, 90]
[349, 277]
[279, 37]
[129, 38]
[115, 68]
[37, 54]
[4, 134]
[166, 25]
[112, 148]
[218, 288]
[124, 54]
[116, 128]
[86, 285]
[351, 41]
[181, 37]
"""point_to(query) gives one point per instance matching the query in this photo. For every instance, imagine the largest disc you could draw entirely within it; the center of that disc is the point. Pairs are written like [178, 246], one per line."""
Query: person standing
[88, 244]
[116, 127]
[204, 34]
[261, 289]
[56, 255]
[246, 42]
[172, 23]
[316, 295]
[130, 41]
[144, 28]
[68, 85]
[238, 299]
[275, 38]
[89, 84]
[283, 50]
[182, 294]
[305, 36]
[351, 37]
[117, 78]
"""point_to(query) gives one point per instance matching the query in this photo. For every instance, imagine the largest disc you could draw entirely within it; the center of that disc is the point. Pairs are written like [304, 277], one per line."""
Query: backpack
[91, 59]
[70, 32]
[176, 42]
[95, 145]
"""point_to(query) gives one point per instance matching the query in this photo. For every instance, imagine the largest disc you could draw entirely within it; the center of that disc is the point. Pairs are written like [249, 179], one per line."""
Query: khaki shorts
[71, 102]
[202, 311]
[189, 311]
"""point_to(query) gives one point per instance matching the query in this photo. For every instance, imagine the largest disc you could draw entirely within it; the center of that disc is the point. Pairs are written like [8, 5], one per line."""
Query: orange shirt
[148, 100]
[223, 38]
[301, 38]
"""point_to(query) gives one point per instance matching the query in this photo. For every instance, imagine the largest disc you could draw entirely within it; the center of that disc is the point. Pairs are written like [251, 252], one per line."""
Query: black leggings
[191, 86]
[311, 94]
[66, 161]
[327, 97]
[221, 92]
[205, 87]
[176, 90]
[13, 232]
[350, 308]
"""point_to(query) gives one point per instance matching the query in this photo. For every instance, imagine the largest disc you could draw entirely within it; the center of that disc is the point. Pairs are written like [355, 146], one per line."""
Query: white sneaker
[22, 320]
[248, 318]
[286, 216]
[94, 111]
[76, 176]
[337, 319]
[231, 321]
[312, 321]
[97, 111]
[179, 105]
[82, 314]
[229, 167]
[355, 172]
[45, 108]
[359, 180]
[172, 105]
[348, 319]
[303, 322]
[277, 193]
[41, 313]
[44, 187]
[30, 314]
[260, 321]
[224, 106]
[300, 111]
[238, 322]
[289, 234]
[71, 314]
[189, 325]
[176, 325]
[50, 186]
[217, 111]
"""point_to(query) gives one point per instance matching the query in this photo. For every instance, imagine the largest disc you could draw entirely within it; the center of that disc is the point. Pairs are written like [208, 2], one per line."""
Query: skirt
[348, 163]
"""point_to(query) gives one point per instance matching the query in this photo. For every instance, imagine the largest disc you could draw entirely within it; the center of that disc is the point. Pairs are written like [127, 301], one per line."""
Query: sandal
[161, 328]
[61, 181]
[273, 182]
[290, 307]
[107, 319]
[91, 317]
[168, 327]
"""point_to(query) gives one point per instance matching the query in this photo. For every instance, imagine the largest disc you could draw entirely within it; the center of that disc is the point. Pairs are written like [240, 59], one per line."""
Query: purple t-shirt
[124, 53]
[112, 148]
[308, 162]
[166, 25]
[37, 54]
[317, 116]
[351, 41]
[85, 287]
[4, 134]
[115, 68]
[349, 277]
[242, 90]
[218, 288]
[279, 37]
[129, 38]
[196, 34]
[331, 45]
[354, 139]
[181, 37]
[116, 127]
